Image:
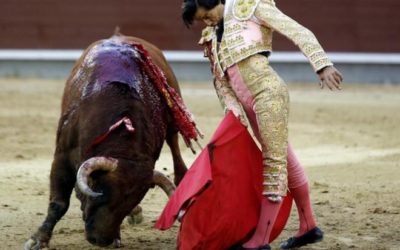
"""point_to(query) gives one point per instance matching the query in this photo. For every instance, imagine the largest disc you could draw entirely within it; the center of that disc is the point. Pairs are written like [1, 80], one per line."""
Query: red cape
[221, 193]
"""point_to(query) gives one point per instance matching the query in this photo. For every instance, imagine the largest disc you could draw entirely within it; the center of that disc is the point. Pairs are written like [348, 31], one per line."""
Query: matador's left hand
[330, 77]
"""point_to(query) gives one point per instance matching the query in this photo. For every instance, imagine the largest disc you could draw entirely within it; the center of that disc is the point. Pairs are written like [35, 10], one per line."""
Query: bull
[112, 127]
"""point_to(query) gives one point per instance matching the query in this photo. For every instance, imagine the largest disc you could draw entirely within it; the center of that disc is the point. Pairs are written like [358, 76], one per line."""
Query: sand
[348, 141]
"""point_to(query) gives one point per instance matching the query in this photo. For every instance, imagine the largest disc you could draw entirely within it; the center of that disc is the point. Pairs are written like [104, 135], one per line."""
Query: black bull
[112, 127]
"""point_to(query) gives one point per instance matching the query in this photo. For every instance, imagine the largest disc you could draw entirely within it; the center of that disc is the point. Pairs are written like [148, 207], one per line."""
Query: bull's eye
[99, 199]
[96, 198]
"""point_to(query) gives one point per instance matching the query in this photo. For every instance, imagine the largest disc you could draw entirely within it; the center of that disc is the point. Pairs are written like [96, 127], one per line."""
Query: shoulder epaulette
[244, 9]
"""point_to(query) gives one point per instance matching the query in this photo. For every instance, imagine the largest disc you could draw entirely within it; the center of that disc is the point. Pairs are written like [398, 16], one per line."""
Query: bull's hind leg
[179, 166]
[62, 181]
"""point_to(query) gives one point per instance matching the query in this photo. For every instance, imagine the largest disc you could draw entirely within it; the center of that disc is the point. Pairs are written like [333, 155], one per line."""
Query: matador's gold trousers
[265, 99]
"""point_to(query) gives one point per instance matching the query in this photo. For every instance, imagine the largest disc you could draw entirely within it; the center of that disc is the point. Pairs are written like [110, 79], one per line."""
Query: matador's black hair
[189, 8]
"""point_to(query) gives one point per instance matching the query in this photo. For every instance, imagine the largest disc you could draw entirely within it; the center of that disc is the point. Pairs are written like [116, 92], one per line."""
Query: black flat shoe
[240, 247]
[312, 236]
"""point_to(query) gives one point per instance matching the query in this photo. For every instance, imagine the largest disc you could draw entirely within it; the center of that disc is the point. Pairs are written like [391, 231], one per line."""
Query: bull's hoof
[136, 216]
[135, 219]
[32, 244]
[118, 243]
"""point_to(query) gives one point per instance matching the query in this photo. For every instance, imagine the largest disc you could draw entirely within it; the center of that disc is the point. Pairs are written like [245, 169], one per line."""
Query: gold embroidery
[244, 9]
[227, 97]
[232, 29]
[269, 91]
[224, 91]
[207, 35]
[233, 47]
[272, 17]
[271, 106]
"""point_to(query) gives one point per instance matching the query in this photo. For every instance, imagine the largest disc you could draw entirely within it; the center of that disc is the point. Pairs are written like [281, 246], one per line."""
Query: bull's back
[110, 61]
[74, 85]
[158, 58]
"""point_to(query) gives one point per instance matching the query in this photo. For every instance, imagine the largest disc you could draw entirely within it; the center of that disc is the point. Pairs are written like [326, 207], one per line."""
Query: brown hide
[92, 102]
[155, 53]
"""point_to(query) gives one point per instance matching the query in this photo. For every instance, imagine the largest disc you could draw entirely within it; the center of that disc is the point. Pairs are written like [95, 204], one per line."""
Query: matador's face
[210, 17]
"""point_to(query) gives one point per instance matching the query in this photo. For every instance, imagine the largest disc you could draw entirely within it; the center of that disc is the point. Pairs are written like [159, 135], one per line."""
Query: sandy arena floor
[349, 142]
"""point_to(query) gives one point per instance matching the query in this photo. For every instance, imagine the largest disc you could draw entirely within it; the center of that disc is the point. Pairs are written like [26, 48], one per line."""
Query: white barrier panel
[197, 56]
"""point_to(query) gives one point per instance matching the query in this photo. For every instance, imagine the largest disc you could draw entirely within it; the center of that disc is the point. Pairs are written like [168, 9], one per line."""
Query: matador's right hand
[330, 77]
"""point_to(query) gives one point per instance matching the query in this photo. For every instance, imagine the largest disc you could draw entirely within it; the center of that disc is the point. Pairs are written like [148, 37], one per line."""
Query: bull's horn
[89, 166]
[163, 182]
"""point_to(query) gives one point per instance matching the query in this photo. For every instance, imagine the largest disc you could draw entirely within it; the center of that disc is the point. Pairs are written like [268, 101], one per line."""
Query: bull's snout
[99, 241]
[94, 238]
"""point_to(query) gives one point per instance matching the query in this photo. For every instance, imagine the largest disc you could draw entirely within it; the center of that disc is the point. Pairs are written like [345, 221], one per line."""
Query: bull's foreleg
[62, 181]
[179, 166]
[117, 242]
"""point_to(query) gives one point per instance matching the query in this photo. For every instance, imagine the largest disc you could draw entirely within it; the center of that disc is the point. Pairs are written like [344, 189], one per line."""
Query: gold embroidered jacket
[248, 30]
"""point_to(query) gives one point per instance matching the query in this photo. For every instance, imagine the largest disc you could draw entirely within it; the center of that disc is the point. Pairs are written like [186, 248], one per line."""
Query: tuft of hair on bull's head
[109, 190]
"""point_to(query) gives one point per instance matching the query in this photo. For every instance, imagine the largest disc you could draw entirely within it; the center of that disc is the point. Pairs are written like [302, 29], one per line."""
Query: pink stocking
[301, 197]
[298, 186]
[269, 212]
